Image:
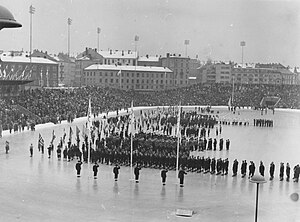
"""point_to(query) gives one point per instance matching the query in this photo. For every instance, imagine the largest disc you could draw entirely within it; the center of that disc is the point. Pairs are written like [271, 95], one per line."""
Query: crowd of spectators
[54, 105]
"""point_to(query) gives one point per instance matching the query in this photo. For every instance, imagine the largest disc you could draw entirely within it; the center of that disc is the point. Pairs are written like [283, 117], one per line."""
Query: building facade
[119, 57]
[246, 74]
[88, 57]
[138, 78]
[215, 73]
[66, 66]
[149, 61]
[42, 71]
[180, 67]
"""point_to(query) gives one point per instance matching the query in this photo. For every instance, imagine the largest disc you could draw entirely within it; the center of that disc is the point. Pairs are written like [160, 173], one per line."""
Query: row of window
[127, 74]
[133, 81]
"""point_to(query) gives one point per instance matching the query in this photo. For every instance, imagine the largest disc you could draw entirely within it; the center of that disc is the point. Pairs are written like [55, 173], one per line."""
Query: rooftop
[128, 68]
[117, 54]
[24, 59]
[148, 59]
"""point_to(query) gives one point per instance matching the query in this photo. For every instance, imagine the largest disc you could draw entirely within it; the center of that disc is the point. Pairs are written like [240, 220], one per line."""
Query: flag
[178, 122]
[77, 132]
[229, 102]
[64, 136]
[40, 142]
[47, 78]
[41, 77]
[131, 119]
[53, 137]
[4, 72]
[89, 115]
[10, 73]
[70, 135]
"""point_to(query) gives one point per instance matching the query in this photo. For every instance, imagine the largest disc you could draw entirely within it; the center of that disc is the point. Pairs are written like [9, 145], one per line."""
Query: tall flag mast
[178, 138]
[89, 119]
[131, 137]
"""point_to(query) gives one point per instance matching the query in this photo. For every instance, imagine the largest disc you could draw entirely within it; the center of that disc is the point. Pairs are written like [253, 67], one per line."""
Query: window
[100, 80]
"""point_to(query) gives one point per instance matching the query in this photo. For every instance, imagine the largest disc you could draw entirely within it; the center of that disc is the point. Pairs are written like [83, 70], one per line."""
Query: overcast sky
[215, 28]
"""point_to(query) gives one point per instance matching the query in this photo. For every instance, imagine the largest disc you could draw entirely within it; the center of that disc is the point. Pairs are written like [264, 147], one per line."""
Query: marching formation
[150, 140]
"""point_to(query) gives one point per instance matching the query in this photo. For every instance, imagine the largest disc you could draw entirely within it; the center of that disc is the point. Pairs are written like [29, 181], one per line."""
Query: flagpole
[89, 134]
[178, 138]
[120, 77]
[131, 140]
[232, 97]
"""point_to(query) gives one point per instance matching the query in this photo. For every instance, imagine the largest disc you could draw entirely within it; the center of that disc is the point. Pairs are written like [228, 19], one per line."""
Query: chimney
[168, 55]
[86, 50]
[179, 55]
[110, 51]
[122, 52]
[147, 56]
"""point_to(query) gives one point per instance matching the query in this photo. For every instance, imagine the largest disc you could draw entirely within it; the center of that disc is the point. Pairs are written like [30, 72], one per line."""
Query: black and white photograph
[150, 110]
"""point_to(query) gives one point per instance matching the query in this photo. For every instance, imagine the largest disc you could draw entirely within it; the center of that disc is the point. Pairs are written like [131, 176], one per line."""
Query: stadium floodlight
[7, 20]
[258, 179]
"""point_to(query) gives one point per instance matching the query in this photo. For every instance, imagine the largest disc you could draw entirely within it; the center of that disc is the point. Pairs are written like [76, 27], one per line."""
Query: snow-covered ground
[42, 189]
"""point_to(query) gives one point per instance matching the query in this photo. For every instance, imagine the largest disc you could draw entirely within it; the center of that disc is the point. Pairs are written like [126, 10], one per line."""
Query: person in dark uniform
[262, 168]
[251, 169]
[31, 150]
[95, 169]
[6, 147]
[226, 166]
[163, 174]
[227, 144]
[137, 173]
[235, 167]
[181, 174]
[288, 172]
[78, 167]
[49, 151]
[281, 172]
[272, 170]
[116, 171]
[215, 144]
[244, 168]
[58, 153]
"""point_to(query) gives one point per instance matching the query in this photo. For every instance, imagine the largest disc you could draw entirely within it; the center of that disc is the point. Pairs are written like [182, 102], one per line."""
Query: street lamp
[7, 20]
[243, 44]
[258, 179]
[186, 42]
[31, 11]
[69, 24]
[98, 32]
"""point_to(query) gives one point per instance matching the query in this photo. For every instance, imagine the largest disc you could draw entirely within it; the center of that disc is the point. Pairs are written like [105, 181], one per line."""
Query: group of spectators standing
[54, 105]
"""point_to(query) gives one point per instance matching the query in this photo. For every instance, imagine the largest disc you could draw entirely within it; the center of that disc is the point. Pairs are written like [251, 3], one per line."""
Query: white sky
[271, 28]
